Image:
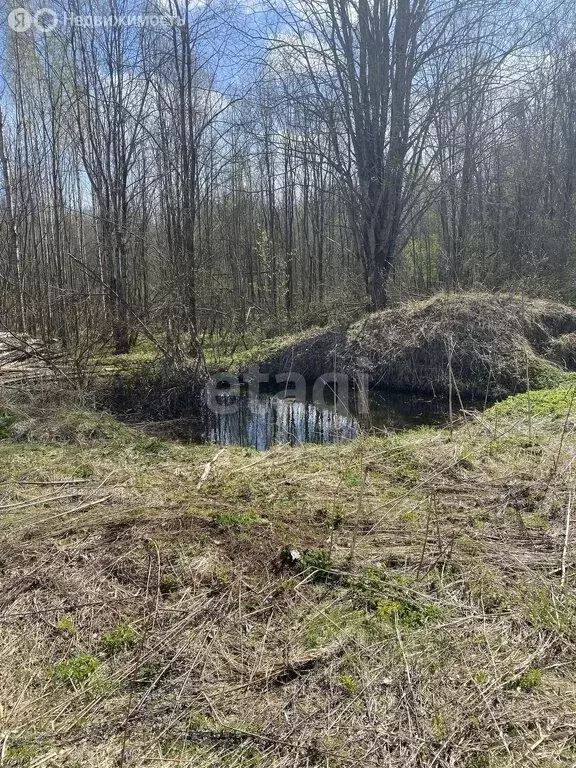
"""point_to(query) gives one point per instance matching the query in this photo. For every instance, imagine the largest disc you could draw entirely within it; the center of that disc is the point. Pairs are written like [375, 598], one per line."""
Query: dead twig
[208, 469]
[566, 538]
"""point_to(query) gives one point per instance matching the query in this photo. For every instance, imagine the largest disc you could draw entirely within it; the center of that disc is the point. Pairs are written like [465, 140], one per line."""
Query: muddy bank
[153, 391]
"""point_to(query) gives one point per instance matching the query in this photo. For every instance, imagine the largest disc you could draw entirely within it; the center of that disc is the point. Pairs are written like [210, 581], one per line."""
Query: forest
[287, 383]
[267, 167]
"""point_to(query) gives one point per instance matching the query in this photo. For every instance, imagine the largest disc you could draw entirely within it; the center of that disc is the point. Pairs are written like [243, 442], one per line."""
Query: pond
[267, 419]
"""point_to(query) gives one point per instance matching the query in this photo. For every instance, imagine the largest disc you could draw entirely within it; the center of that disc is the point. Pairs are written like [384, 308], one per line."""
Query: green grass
[219, 352]
[349, 683]
[261, 349]
[407, 615]
[530, 680]
[144, 351]
[76, 670]
[121, 638]
[23, 753]
[67, 625]
[317, 561]
[547, 402]
[239, 520]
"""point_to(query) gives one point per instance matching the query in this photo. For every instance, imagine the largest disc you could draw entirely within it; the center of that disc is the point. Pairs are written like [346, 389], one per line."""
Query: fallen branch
[566, 539]
[80, 508]
[208, 469]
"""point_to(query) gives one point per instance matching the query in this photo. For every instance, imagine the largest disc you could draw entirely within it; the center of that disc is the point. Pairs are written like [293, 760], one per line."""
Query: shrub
[67, 625]
[168, 584]
[7, 421]
[530, 680]
[156, 390]
[349, 684]
[75, 670]
[408, 615]
[119, 639]
[318, 560]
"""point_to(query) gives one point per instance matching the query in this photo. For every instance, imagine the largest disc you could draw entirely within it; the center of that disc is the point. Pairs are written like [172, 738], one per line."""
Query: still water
[265, 420]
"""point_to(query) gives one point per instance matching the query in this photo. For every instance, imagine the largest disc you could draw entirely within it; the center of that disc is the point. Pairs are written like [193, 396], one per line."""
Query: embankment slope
[496, 345]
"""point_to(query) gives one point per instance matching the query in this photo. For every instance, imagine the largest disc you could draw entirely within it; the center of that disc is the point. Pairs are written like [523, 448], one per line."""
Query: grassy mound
[563, 350]
[497, 346]
[309, 354]
[406, 600]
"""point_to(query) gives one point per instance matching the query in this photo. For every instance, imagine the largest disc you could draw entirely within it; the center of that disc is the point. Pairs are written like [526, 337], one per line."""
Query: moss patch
[546, 402]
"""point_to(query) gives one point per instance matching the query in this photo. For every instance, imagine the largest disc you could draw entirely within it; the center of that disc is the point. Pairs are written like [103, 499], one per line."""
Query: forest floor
[407, 600]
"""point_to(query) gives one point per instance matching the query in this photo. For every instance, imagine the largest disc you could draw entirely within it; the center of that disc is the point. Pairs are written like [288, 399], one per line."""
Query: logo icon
[20, 20]
[45, 20]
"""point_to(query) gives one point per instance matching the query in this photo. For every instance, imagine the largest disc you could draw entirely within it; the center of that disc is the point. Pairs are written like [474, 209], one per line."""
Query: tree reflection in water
[266, 420]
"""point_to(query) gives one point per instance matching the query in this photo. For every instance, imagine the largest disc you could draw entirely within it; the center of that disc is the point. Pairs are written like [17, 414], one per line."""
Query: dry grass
[564, 350]
[496, 343]
[436, 632]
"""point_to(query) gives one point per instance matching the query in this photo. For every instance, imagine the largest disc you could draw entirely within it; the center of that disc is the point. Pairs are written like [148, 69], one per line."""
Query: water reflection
[262, 421]
[267, 419]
